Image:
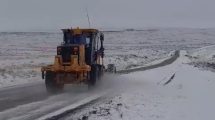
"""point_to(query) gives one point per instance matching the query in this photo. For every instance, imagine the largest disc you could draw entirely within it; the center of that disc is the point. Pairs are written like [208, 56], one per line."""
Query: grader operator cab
[79, 59]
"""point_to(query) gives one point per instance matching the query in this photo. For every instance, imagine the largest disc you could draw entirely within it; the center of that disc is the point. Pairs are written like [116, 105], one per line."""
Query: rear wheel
[51, 84]
[100, 72]
[94, 76]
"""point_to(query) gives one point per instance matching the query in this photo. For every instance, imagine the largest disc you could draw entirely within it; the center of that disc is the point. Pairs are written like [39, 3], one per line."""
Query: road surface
[31, 101]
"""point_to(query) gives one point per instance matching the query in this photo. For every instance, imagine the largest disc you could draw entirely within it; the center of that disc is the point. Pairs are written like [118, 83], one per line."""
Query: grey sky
[54, 14]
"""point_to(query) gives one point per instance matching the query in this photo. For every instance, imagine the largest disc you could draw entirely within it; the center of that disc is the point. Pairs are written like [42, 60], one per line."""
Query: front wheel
[51, 84]
[94, 76]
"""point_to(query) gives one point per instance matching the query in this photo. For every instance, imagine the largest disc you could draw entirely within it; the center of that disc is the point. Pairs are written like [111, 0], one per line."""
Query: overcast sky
[27, 15]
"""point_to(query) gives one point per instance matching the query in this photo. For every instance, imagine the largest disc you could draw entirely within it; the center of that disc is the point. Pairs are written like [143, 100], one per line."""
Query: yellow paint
[75, 66]
[77, 31]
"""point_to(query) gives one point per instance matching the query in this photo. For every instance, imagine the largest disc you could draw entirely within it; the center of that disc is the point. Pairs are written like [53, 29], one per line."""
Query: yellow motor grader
[79, 60]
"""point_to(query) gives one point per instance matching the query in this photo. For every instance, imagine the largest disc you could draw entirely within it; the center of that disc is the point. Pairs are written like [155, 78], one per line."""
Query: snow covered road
[31, 101]
[187, 96]
[176, 91]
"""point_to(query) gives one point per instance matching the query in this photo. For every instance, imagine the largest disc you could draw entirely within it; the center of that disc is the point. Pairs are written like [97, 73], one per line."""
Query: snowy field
[22, 54]
[203, 58]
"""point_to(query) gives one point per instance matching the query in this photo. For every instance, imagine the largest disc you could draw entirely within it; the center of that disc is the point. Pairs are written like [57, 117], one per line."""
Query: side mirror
[102, 37]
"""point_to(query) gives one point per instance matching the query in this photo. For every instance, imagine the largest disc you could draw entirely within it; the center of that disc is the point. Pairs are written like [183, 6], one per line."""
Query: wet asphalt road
[31, 101]
[14, 96]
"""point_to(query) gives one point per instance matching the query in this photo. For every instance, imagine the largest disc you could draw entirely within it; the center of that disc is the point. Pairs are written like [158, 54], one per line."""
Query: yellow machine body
[76, 70]
[79, 69]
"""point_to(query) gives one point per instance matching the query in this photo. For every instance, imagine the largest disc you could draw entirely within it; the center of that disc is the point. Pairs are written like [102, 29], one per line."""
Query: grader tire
[51, 84]
[94, 76]
[100, 72]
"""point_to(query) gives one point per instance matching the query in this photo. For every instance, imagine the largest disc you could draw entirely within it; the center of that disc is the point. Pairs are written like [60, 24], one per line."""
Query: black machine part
[66, 51]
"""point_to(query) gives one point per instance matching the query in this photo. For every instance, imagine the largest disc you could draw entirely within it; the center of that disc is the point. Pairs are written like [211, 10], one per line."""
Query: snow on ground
[134, 48]
[203, 57]
[174, 92]
[22, 54]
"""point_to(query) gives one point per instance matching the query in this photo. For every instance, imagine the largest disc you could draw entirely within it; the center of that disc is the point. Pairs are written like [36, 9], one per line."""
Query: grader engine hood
[70, 64]
[67, 51]
[70, 58]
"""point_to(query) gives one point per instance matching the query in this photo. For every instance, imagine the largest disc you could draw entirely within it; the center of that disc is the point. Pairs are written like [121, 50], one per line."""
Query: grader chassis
[79, 60]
